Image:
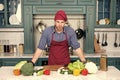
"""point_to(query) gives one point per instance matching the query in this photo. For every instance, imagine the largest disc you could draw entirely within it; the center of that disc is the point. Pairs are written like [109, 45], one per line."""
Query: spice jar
[20, 48]
[103, 62]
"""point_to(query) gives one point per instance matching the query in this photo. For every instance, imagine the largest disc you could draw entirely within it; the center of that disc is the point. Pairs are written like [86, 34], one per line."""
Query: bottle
[1, 48]
[15, 50]
[103, 62]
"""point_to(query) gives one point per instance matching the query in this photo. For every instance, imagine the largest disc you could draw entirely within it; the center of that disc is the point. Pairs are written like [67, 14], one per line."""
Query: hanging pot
[41, 26]
[79, 32]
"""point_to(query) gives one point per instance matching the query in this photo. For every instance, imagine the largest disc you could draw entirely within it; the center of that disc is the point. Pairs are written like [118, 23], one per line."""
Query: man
[58, 37]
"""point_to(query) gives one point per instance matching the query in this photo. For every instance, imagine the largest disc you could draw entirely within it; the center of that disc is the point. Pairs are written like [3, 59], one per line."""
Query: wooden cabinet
[32, 2]
[10, 61]
[86, 2]
[108, 14]
[59, 2]
[10, 13]
[28, 30]
[0, 62]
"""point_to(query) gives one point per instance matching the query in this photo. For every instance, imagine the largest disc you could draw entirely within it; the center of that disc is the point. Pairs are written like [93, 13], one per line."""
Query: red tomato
[46, 72]
[84, 72]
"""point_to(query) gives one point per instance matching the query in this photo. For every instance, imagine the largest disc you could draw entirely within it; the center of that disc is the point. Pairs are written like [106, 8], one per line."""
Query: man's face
[59, 24]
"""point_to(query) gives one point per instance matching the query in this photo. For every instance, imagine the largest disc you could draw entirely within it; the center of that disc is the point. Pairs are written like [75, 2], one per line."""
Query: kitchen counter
[112, 74]
[109, 54]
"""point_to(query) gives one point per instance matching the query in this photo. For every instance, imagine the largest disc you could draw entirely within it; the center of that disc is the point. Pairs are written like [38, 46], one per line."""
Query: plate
[102, 22]
[13, 20]
[118, 21]
[1, 7]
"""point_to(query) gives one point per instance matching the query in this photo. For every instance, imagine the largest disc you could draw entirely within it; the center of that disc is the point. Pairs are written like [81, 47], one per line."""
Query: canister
[21, 49]
[103, 62]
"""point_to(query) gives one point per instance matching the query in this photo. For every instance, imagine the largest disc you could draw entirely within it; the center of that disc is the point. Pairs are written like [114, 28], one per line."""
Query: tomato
[46, 72]
[84, 72]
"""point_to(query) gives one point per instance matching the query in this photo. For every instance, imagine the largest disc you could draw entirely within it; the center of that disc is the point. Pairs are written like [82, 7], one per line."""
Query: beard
[59, 28]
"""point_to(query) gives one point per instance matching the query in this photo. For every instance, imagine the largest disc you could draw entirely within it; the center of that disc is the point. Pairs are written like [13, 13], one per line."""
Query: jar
[21, 49]
[103, 62]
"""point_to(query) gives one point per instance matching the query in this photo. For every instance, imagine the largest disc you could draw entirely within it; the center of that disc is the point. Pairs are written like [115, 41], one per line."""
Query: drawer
[10, 62]
[59, 2]
[86, 2]
[53, 9]
[32, 2]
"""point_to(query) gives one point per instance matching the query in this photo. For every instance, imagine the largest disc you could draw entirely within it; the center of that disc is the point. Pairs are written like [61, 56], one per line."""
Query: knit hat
[60, 15]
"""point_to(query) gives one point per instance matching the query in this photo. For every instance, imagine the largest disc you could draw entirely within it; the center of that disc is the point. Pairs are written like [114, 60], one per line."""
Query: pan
[79, 32]
[41, 26]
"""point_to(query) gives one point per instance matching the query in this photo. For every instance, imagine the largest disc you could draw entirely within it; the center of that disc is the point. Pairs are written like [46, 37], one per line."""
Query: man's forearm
[36, 55]
[80, 54]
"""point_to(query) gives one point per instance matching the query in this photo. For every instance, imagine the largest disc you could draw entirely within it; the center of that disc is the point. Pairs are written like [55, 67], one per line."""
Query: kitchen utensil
[105, 43]
[103, 40]
[1, 7]
[41, 26]
[115, 43]
[98, 35]
[18, 12]
[13, 20]
[119, 40]
[79, 32]
[102, 22]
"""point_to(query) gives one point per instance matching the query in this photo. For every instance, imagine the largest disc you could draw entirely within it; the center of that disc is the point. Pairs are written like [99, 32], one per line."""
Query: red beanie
[60, 15]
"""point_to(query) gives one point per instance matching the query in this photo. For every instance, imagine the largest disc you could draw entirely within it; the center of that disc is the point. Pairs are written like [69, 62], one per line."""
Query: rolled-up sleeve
[73, 42]
[43, 41]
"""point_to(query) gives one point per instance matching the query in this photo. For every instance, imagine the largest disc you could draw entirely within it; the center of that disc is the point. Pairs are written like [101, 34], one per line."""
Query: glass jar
[103, 62]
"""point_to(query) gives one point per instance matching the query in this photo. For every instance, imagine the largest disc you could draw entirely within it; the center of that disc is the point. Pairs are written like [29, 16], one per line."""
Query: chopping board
[53, 67]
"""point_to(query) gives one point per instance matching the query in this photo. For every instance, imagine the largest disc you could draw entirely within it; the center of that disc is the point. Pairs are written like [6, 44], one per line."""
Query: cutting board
[53, 67]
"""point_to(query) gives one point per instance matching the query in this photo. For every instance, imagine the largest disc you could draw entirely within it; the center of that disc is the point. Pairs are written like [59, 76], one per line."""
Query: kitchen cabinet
[86, 2]
[32, 2]
[10, 13]
[46, 8]
[59, 2]
[108, 14]
[28, 30]
[0, 62]
[10, 61]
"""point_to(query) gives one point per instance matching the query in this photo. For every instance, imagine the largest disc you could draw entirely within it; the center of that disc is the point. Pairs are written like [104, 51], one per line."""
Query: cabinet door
[59, 2]
[2, 13]
[117, 63]
[11, 14]
[108, 13]
[117, 8]
[28, 30]
[86, 2]
[42, 61]
[89, 30]
[0, 62]
[10, 61]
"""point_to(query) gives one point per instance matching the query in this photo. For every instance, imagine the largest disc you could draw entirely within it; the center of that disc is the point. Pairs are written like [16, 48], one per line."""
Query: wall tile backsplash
[15, 36]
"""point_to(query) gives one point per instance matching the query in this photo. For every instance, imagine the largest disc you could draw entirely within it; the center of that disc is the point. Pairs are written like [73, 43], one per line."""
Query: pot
[79, 32]
[41, 27]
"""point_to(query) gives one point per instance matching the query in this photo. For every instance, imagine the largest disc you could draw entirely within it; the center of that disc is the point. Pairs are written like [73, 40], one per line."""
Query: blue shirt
[47, 36]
